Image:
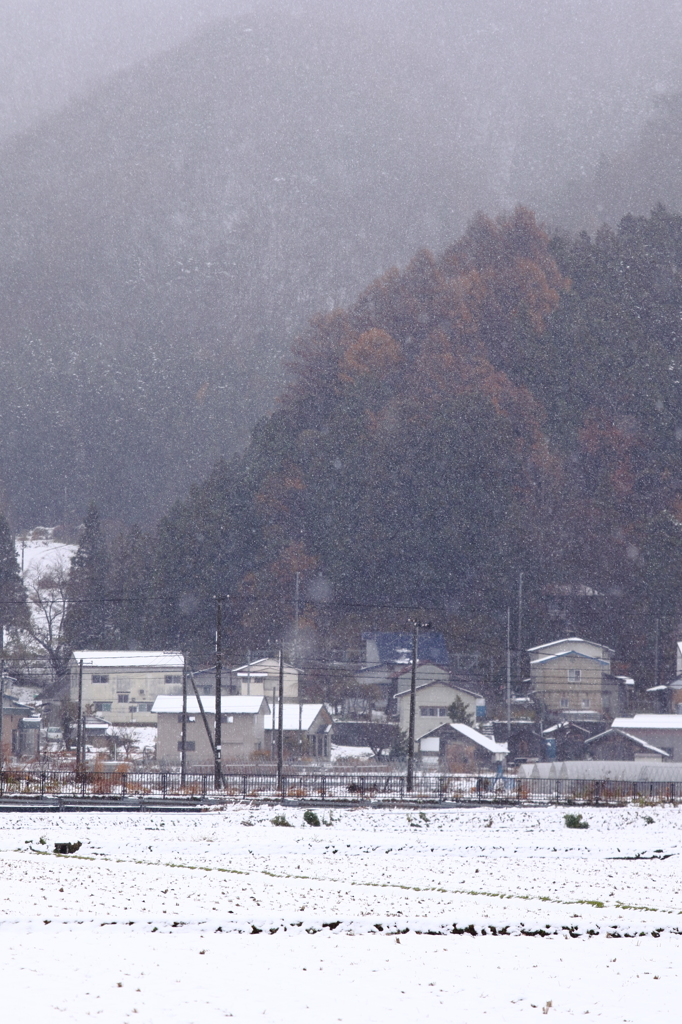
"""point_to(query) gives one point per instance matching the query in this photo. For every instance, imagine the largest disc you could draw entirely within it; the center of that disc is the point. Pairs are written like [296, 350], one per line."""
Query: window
[227, 719]
[172, 680]
[564, 702]
[574, 675]
[100, 679]
[428, 712]
[189, 745]
[442, 712]
[145, 705]
[132, 708]
[102, 705]
[123, 698]
[584, 703]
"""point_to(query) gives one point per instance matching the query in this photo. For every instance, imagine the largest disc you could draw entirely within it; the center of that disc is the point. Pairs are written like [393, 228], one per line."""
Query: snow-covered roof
[229, 705]
[264, 667]
[441, 682]
[648, 722]
[635, 739]
[471, 734]
[568, 640]
[567, 654]
[130, 659]
[309, 713]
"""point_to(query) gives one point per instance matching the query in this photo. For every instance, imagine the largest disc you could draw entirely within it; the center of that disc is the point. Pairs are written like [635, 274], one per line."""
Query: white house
[123, 685]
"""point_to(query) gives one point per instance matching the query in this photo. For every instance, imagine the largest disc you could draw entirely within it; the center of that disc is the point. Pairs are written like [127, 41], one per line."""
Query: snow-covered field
[378, 916]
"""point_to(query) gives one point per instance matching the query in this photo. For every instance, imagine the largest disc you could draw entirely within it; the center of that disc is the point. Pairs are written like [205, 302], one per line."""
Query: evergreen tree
[87, 622]
[13, 605]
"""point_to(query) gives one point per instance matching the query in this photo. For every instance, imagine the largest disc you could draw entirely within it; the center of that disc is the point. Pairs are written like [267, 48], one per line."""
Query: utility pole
[416, 626]
[656, 653]
[248, 673]
[80, 730]
[508, 672]
[296, 597]
[280, 722]
[2, 694]
[183, 730]
[217, 746]
[519, 644]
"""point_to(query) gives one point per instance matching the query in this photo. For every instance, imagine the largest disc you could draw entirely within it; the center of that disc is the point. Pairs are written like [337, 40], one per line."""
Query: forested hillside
[512, 404]
[164, 238]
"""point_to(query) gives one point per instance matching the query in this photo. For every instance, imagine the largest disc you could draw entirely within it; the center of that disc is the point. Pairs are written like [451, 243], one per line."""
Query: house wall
[242, 735]
[126, 698]
[460, 754]
[438, 697]
[317, 739]
[595, 692]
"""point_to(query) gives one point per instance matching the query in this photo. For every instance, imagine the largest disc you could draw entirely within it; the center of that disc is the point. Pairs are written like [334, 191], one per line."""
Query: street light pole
[79, 733]
[416, 626]
[2, 694]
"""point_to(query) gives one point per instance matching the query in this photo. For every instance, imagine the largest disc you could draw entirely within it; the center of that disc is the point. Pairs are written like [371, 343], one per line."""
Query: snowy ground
[199, 917]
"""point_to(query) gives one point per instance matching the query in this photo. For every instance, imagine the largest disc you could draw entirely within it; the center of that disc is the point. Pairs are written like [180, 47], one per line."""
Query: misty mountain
[164, 238]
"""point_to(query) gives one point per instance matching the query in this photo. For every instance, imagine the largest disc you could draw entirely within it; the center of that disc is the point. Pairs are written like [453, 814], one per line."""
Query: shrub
[575, 821]
[280, 819]
[310, 818]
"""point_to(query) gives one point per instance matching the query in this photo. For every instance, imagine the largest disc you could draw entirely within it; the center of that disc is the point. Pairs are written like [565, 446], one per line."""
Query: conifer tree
[13, 605]
[87, 619]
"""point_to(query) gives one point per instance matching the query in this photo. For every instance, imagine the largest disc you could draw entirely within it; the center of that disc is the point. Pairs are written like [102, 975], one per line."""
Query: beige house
[261, 678]
[572, 678]
[307, 731]
[123, 685]
[434, 697]
[661, 733]
[242, 732]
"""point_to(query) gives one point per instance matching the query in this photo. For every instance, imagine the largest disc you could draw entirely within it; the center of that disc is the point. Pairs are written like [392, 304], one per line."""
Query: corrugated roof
[130, 659]
[567, 654]
[309, 713]
[229, 705]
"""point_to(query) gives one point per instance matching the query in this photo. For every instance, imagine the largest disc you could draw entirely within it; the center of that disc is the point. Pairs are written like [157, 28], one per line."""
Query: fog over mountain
[165, 235]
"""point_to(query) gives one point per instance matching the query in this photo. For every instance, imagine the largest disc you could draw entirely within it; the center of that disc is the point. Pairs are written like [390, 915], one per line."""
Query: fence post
[324, 786]
[124, 783]
[203, 786]
[42, 784]
[164, 784]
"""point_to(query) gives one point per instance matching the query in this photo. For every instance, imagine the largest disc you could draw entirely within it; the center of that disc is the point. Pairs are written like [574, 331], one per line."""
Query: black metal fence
[347, 788]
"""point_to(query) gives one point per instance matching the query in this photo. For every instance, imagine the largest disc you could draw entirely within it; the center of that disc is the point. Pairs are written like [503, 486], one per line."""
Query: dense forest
[510, 405]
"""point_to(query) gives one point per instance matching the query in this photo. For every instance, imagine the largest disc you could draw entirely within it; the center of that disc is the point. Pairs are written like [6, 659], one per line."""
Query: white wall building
[123, 685]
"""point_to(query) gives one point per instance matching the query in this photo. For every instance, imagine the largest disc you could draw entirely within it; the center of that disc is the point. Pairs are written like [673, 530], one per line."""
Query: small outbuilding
[455, 747]
[307, 731]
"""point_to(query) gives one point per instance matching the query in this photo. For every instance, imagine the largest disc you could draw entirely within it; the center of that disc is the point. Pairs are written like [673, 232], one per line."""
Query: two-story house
[572, 679]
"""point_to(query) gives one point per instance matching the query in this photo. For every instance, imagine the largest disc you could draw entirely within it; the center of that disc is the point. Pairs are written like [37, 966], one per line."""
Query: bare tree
[46, 589]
